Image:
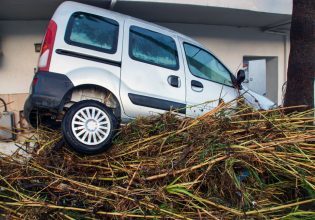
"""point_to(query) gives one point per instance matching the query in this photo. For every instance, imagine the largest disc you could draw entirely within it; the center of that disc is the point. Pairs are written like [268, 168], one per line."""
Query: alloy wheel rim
[90, 125]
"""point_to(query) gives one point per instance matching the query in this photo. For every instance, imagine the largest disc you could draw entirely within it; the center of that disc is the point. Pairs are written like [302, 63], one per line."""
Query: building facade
[250, 34]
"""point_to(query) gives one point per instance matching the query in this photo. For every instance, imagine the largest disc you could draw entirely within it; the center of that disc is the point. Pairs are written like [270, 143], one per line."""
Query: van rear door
[88, 45]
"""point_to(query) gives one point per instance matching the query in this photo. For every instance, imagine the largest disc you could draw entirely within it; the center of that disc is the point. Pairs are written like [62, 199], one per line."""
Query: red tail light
[35, 80]
[47, 47]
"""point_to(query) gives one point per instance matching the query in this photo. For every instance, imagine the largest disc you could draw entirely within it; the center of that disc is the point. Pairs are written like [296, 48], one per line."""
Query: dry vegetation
[228, 164]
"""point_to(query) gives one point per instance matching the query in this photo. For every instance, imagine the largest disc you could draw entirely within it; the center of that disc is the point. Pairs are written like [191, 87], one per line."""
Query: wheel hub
[91, 125]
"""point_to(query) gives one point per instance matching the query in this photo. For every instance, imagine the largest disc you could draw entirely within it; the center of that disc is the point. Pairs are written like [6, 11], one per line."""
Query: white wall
[231, 44]
[269, 6]
[18, 58]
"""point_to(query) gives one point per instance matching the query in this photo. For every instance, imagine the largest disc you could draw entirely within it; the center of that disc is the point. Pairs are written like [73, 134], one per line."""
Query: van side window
[204, 65]
[92, 32]
[153, 48]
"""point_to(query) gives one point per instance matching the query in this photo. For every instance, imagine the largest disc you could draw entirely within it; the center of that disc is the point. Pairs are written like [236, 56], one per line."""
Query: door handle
[174, 81]
[196, 86]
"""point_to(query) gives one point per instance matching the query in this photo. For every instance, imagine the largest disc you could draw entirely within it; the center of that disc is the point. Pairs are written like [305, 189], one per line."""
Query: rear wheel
[89, 126]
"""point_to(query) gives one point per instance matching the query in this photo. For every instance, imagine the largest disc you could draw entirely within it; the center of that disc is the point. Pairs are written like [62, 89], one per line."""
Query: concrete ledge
[8, 148]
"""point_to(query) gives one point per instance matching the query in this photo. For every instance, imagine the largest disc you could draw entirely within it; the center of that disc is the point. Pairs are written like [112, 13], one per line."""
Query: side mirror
[240, 77]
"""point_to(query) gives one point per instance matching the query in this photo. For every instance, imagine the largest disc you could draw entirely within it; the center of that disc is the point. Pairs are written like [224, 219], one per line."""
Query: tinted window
[92, 32]
[152, 47]
[203, 65]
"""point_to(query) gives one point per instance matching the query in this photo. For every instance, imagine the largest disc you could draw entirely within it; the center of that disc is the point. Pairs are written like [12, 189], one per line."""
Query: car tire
[89, 126]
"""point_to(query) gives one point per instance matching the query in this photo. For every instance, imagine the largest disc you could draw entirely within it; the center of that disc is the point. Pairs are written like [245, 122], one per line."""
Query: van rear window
[92, 32]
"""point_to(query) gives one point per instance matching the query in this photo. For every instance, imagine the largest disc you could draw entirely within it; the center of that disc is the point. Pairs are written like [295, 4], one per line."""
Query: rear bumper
[47, 95]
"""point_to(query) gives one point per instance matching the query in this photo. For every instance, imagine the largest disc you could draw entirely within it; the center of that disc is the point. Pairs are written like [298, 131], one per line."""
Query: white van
[98, 68]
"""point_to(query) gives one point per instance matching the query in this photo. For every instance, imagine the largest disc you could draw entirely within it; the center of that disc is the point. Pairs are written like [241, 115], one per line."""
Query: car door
[152, 73]
[208, 80]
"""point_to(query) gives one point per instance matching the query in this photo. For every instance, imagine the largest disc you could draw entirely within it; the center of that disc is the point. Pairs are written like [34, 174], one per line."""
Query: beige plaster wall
[18, 57]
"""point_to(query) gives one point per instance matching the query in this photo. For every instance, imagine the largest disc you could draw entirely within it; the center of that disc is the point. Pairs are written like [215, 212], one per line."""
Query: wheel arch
[68, 100]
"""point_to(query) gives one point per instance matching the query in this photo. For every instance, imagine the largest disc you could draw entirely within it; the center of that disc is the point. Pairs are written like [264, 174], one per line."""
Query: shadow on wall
[262, 75]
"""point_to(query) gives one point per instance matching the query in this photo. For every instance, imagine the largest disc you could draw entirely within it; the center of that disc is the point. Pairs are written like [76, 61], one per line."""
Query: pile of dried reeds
[229, 163]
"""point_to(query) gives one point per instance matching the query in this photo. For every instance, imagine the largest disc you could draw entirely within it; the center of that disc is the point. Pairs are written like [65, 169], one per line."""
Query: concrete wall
[18, 58]
[269, 6]
[231, 44]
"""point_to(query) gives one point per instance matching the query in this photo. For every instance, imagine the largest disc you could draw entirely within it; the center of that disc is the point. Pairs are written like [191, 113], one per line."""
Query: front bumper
[48, 95]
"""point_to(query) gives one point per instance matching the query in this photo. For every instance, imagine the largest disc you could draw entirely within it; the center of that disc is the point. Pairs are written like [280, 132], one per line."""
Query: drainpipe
[285, 38]
[112, 4]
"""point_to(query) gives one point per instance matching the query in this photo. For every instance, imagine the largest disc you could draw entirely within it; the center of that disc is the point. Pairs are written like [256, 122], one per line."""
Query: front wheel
[89, 126]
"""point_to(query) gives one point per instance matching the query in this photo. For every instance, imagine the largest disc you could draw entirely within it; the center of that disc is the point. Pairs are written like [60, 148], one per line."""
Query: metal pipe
[270, 28]
[4, 104]
[112, 4]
